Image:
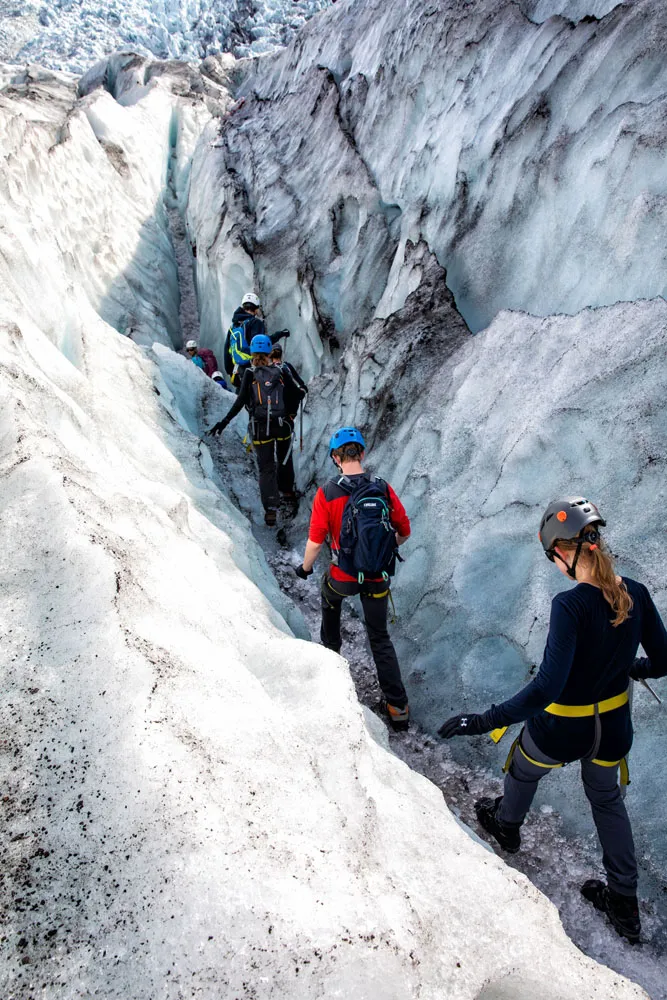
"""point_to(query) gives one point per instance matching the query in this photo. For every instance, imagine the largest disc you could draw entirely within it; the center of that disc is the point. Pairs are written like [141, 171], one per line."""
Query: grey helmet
[568, 519]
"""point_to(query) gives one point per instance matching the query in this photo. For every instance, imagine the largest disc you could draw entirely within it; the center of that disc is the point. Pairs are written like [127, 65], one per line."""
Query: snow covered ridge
[528, 157]
[162, 728]
[72, 34]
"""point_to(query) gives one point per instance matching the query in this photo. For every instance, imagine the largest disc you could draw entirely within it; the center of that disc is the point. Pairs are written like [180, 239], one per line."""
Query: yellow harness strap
[581, 711]
[269, 440]
[572, 712]
[538, 763]
[624, 769]
[506, 765]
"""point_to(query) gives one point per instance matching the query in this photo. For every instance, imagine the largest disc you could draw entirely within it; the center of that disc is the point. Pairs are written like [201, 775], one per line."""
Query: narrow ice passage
[165, 726]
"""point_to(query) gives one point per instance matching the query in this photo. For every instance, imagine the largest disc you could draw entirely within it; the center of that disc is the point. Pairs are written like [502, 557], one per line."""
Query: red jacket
[327, 517]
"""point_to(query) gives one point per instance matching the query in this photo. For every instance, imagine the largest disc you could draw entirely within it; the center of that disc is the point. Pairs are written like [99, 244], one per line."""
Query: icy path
[554, 860]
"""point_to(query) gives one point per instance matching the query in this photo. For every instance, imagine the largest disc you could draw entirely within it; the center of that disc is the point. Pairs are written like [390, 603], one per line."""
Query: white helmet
[218, 375]
[191, 345]
[250, 299]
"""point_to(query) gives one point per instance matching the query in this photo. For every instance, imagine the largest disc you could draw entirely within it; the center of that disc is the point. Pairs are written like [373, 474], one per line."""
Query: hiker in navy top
[577, 707]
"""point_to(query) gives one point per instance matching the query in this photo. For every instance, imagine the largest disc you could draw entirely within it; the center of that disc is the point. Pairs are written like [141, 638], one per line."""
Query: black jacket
[587, 660]
[244, 397]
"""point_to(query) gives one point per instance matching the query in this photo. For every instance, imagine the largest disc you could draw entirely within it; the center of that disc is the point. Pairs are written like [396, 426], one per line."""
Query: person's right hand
[217, 428]
[463, 725]
[302, 573]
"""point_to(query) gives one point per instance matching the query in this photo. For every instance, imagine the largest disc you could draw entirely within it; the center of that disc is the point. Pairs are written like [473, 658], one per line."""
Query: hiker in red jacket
[365, 523]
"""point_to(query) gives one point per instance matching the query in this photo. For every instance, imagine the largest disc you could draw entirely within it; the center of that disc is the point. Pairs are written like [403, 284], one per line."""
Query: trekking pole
[301, 425]
[651, 691]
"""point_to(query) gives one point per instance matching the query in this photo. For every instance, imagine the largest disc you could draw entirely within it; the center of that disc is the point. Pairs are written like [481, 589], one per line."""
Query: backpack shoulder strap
[339, 486]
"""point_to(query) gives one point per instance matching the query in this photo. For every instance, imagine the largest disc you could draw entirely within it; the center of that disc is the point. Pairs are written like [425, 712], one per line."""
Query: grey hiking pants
[603, 793]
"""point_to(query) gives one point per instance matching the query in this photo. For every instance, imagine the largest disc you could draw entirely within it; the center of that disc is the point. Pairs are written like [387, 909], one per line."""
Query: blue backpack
[238, 345]
[367, 537]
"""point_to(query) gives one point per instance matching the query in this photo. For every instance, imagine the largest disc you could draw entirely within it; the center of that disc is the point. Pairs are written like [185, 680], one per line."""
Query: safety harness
[575, 712]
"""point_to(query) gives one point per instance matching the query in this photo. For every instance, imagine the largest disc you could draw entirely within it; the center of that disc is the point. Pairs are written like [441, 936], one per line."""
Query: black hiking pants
[603, 793]
[274, 462]
[374, 601]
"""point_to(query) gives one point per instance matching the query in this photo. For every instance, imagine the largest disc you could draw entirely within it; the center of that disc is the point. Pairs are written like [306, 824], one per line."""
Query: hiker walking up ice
[247, 323]
[202, 357]
[576, 707]
[365, 523]
[263, 392]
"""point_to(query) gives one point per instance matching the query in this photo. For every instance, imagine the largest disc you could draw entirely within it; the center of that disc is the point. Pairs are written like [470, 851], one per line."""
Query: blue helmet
[346, 435]
[261, 344]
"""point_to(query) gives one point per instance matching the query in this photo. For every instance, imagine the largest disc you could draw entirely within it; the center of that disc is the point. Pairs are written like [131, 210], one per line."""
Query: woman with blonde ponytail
[577, 706]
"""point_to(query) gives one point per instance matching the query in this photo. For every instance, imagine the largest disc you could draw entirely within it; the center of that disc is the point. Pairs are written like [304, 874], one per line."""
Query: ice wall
[575, 10]
[162, 726]
[527, 159]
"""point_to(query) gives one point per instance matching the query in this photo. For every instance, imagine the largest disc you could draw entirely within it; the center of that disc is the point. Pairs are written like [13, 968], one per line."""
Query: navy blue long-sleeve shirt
[587, 660]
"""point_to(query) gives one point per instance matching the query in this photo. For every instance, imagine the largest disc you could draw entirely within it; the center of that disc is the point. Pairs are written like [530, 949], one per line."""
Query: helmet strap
[571, 570]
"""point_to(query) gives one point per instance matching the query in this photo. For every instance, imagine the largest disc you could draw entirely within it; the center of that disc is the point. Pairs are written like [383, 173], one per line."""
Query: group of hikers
[575, 708]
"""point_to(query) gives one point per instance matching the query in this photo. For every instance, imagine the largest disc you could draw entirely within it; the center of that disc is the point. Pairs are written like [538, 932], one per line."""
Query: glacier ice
[162, 724]
[385, 157]
[72, 34]
[527, 156]
[575, 10]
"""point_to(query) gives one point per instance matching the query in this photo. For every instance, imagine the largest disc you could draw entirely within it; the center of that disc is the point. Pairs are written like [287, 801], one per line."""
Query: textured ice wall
[341, 198]
[72, 34]
[528, 157]
[112, 247]
[541, 10]
[161, 726]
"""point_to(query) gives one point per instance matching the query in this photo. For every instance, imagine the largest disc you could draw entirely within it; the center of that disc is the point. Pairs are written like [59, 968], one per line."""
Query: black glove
[463, 725]
[217, 428]
[282, 333]
[640, 668]
[302, 573]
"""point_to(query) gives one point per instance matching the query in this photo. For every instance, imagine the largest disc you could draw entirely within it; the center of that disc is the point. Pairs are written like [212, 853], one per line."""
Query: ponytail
[615, 593]
[601, 563]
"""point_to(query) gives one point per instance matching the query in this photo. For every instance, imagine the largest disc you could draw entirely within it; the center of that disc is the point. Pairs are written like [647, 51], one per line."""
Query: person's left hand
[217, 428]
[463, 725]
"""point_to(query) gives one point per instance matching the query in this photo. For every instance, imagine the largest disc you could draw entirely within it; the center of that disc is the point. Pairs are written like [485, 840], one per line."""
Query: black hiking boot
[622, 911]
[270, 518]
[290, 504]
[507, 834]
[399, 718]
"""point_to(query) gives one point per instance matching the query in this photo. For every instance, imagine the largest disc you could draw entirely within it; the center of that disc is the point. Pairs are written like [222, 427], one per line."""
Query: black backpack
[268, 397]
[367, 538]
